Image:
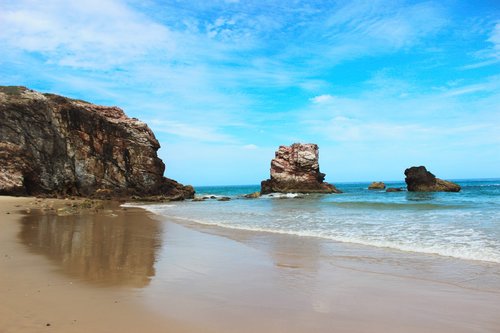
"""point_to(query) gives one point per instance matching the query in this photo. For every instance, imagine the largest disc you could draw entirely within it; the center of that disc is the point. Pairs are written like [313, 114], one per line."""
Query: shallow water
[463, 225]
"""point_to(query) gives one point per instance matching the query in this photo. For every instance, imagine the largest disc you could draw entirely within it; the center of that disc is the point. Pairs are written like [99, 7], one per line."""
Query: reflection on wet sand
[107, 250]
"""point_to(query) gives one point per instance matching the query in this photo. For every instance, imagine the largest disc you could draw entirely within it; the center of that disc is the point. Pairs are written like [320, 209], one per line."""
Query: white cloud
[91, 34]
[322, 99]
[440, 118]
[250, 147]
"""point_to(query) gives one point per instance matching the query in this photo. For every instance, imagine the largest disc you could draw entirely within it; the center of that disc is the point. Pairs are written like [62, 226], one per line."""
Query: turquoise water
[464, 225]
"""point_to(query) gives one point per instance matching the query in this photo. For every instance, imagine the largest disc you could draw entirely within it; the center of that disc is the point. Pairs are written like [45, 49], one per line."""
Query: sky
[379, 85]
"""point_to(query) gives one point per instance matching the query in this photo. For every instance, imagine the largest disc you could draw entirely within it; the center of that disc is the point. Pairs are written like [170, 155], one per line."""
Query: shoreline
[436, 249]
[363, 257]
[181, 278]
[208, 226]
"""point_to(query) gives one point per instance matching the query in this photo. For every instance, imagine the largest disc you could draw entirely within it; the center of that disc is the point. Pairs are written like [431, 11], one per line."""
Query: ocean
[463, 225]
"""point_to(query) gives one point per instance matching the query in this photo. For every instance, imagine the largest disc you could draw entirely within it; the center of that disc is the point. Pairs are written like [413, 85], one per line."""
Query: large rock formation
[52, 145]
[295, 169]
[418, 179]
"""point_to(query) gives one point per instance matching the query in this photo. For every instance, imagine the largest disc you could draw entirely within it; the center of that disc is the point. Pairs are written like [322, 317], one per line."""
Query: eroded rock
[295, 169]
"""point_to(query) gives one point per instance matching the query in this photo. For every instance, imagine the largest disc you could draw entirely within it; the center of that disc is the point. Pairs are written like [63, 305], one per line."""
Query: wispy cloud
[491, 54]
[360, 28]
[191, 131]
[474, 88]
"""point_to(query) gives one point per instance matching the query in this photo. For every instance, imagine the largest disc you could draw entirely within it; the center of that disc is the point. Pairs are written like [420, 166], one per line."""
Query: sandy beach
[115, 269]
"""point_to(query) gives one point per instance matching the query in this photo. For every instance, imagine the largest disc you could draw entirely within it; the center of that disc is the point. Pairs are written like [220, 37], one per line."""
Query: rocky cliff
[52, 145]
[418, 179]
[296, 169]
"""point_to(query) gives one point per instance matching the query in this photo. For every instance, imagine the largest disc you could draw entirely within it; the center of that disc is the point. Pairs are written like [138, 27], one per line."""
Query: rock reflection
[107, 250]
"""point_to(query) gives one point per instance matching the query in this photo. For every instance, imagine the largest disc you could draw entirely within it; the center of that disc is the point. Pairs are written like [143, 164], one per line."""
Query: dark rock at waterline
[56, 146]
[295, 169]
[418, 179]
[394, 189]
[376, 186]
[253, 195]
[224, 199]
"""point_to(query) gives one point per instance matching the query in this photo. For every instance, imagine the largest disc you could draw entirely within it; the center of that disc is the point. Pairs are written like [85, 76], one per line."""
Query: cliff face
[54, 145]
[296, 169]
[418, 179]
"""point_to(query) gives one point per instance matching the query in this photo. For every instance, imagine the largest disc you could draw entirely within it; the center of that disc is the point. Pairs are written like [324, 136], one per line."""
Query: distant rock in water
[394, 189]
[53, 145]
[418, 179]
[253, 195]
[295, 169]
[376, 186]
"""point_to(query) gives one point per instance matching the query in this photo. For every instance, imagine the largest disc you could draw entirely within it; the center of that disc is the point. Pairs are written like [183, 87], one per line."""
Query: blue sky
[379, 85]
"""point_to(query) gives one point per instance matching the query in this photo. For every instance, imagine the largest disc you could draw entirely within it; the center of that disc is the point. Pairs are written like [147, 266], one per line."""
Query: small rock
[252, 195]
[394, 189]
[224, 199]
[376, 186]
[64, 211]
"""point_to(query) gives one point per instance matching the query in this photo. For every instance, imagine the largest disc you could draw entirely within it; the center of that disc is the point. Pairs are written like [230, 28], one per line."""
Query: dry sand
[127, 271]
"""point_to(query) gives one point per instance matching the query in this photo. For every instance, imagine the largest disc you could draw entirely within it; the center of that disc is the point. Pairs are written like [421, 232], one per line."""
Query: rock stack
[295, 169]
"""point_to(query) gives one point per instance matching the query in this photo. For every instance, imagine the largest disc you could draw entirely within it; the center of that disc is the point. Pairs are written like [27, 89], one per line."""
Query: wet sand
[46, 287]
[129, 271]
